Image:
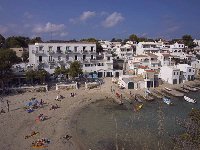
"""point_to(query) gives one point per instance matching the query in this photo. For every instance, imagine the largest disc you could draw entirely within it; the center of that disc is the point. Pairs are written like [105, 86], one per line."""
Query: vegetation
[7, 59]
[188, 41]
[40, 75]
[61, 70]
[75, 69]
[25, 56]
[2, 41]
[191, 138]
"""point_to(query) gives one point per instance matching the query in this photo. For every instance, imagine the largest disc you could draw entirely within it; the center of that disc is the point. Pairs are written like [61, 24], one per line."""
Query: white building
[197, 42]
[196, 66]
[176, 50]
[147, 47]
[170, 74]
[131, 82]
[48, 56]
[124, 52]
[188, 71]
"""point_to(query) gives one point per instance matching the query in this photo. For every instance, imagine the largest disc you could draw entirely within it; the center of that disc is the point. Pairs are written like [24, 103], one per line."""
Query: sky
[101, 19]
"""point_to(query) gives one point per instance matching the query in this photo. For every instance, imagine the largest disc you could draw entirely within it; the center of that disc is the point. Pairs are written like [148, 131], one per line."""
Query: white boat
[166, 100]
[190, 100]
[168, 89]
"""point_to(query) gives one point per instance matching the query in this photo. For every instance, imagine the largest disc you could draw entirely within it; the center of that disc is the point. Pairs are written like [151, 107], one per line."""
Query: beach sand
[17, 123]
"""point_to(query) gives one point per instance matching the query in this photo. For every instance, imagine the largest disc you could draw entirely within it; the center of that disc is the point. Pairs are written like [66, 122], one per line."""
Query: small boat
[137, 98]
[168, 89]
[190, 100]
[137, 107]
[166, 100]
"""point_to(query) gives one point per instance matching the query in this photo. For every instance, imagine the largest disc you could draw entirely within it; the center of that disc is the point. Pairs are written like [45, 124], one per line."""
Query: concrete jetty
[173, 93]
[182, 90]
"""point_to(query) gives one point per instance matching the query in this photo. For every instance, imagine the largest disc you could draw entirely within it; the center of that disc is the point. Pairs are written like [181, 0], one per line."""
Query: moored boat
[168, 89]
[167, 100]
[190, 100]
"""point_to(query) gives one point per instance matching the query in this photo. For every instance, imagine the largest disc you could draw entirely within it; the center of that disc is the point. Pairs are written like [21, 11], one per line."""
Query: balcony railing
[38, 51]
[40, 62]
[59, 51]
[60, 61]
[51, 52]
[68, 51]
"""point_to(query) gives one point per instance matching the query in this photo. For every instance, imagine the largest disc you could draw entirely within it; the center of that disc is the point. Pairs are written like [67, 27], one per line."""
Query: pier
[173, 93]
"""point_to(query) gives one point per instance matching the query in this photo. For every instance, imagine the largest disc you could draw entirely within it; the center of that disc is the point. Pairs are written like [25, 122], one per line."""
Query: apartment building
[48, 56]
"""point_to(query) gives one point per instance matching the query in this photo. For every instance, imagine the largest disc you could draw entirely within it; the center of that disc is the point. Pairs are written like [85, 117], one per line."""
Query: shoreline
[17, 123]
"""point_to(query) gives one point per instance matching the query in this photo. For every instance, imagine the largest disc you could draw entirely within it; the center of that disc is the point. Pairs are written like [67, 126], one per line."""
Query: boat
[190, 100]
[168, 89]
[138, 98]
[166, 100]
[137, 107]
[190, 88]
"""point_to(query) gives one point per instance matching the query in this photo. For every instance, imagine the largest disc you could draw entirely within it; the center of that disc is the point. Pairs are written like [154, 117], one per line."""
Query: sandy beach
[17, 123]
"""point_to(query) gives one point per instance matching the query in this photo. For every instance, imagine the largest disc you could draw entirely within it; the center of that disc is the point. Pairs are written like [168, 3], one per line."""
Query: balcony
[68, 51]
[60, 61]
[51, 52]
[52, 62]
[41, 62]
[85, 52]
[59, 52]
[38, 51]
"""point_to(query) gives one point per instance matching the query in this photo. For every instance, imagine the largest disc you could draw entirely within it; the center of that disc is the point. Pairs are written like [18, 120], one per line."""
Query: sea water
[107, 126]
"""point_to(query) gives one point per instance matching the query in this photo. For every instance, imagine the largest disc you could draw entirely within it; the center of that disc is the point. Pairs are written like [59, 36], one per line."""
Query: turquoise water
[105, 125]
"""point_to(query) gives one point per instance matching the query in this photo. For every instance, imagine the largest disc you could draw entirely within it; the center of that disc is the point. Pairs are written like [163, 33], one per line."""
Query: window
[92, 48]
[174, 73]
[84, 47]
[40, 48]
[108, 58]
[75, 48]
[40, 58]
[58, 48]
[50, 48]
[87, 65]
[84, 57]
[189, 70]
[50, 58]
[91, 56]
[177, 73]
[67, 48]
[75, 57]
[59, 57]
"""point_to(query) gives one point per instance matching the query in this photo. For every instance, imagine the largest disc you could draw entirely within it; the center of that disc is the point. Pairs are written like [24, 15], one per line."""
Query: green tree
[116, 40]
[75, 69]
[7, 59]
[99, 48]
[90, 40]
[25, 56]
[190, 139]
[2, 41]
[30, 75]
[41, 75]
[188, 41]
[17, 41]
[133, 37]
[36, 40]
[61, 70]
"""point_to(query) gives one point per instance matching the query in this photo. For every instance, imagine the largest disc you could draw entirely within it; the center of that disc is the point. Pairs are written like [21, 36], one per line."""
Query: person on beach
[8, 105]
